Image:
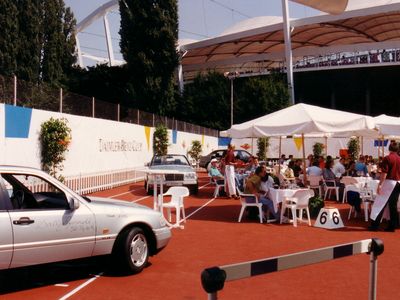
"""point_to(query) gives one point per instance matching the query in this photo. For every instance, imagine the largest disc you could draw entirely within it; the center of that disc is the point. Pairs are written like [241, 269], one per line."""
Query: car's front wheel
[132, 250]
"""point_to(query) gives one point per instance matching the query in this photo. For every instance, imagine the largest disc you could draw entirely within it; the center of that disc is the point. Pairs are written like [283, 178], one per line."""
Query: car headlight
[190, 175]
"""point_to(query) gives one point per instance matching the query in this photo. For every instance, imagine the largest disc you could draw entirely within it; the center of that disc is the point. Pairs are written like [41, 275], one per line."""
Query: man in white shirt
[339, 168]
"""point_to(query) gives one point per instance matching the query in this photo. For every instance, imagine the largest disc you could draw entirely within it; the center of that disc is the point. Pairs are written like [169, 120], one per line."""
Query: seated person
[351, 171]
[297, 170]
[339, 168]
[253, 186]
[361, 167]
[215, 173]
[252, 165]
[314, 170]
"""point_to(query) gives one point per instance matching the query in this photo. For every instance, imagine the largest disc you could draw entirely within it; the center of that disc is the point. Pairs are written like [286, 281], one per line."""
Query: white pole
[180, 78]
[78, 49]
[109, 43]
[231, 102]
[288, 49]
[93, 107]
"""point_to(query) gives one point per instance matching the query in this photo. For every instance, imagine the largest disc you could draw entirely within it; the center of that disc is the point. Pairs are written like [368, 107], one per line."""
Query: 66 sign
[329, 218]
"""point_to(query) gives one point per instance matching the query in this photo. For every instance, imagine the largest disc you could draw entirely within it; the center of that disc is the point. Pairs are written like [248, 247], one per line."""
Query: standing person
[230, 185]
[388, 190]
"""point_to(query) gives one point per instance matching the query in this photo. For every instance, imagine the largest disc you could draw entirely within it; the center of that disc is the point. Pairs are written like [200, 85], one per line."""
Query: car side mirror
[73, 203]
[146, 164]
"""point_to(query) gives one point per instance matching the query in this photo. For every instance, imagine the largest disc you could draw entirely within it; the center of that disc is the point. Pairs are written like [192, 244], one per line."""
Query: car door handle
[23, 221]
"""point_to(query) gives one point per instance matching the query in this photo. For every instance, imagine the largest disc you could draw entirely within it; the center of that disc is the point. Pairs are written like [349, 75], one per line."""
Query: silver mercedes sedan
[43, 221]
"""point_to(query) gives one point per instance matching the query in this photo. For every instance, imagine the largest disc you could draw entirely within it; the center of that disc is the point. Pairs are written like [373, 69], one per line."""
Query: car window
[245, 156]
[32, 192]
[170, 160]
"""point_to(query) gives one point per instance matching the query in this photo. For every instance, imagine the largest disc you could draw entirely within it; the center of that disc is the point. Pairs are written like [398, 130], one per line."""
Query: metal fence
[18, 92]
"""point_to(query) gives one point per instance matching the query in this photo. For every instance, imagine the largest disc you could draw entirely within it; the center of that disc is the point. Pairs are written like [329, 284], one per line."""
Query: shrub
[55, 137]
[160, 140]
[315, 204]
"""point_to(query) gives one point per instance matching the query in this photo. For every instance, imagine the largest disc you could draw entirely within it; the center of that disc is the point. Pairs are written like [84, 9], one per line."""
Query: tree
[8, 37]
[253, 97]
[149, 33]
[258, 96]
[38, 43]
[30, 38]
[160, 140]
[59, 41]
[195, 150]
[206, 101]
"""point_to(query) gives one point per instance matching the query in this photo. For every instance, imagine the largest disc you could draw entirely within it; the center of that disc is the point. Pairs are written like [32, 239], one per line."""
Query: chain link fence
[18, 92]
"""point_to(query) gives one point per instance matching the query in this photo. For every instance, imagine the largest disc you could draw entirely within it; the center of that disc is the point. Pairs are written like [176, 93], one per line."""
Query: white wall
[97, 145]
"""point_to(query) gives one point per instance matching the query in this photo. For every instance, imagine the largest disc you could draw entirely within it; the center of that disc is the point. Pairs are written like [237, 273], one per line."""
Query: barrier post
[213, 279]
[376, 248]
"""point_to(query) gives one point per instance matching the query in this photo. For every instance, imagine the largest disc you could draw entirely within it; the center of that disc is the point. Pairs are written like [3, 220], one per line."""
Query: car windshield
[170, 160]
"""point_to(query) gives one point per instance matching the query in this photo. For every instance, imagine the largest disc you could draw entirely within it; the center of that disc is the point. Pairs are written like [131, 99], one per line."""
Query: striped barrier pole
[213, 279]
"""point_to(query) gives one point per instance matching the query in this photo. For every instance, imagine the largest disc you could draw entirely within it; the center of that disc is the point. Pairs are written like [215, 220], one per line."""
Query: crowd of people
[257, 178]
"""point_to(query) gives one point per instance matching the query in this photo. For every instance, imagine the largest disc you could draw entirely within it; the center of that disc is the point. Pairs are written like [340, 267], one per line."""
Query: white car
[182, 173]
[43, 221]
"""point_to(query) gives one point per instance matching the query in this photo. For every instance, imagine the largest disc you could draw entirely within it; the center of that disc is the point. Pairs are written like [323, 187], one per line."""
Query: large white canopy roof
[305, 119]
[256, 44]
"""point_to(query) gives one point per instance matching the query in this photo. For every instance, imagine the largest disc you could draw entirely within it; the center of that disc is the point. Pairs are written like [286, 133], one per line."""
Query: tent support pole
[304, 160]
[280, 153]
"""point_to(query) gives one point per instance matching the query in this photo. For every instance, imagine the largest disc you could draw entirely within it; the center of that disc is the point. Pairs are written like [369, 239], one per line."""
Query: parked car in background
[43, 221]
[243, 155]
[175, 162]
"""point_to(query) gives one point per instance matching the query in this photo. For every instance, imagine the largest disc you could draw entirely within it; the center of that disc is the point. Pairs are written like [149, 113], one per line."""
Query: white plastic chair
[245, 204]
[347, 180]
[314, 182]
[330, 188]
[218, 186]
[298, 202]
[177, 193]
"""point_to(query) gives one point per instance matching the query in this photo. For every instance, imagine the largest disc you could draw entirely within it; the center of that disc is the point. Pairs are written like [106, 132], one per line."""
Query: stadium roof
[257, 44]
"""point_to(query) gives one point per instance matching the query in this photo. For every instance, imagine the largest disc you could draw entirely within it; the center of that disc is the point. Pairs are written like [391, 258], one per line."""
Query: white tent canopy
[388, 125]
[308, 120]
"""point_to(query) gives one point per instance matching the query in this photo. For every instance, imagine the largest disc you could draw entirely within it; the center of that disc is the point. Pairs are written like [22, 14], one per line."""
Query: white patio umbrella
[305, 120]
[388, 125]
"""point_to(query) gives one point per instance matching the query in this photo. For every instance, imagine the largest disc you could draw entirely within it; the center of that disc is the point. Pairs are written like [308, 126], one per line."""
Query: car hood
[113, 203]
[173, 167]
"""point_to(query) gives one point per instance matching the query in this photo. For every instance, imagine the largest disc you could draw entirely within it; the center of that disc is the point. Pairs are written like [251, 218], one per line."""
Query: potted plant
[317, 149]
[315, 204]
[262, 145]
[353, 148]
[195, 150]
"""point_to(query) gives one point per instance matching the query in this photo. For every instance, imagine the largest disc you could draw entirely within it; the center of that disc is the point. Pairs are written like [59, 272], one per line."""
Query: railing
[22, 93]
[350, 58]
[213, 279]
[93, 182]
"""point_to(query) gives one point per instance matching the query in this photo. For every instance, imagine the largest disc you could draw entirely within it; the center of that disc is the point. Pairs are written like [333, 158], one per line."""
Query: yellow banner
[298, 141]
[147, 133]
[202, 139]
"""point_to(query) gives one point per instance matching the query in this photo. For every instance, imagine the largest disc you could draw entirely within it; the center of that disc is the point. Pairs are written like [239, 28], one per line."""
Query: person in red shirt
[388, 190]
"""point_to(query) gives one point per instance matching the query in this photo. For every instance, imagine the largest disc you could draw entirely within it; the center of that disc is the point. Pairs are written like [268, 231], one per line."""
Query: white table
[277, 195]
[158, 176]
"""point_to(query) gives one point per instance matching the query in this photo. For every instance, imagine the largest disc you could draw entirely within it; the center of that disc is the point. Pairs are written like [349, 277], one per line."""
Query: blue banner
[17, 121]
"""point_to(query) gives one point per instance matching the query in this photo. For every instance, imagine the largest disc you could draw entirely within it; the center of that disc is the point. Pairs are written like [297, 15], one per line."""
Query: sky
[198, 19]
